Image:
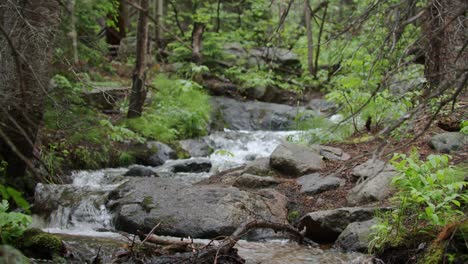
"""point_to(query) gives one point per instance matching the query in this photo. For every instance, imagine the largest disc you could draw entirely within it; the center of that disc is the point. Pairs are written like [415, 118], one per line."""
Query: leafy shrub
[464, 127]
[12, 224]
[430, 194]
[180, 109]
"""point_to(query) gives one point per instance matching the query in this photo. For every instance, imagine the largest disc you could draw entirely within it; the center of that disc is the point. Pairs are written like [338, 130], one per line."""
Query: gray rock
[199, 211]
[193, 165]
[11, 255]
[377, 183]
[105, 98]
[161, 153]
[196, 147]
[260, 166]
[295, 160]
[449, 142]
[283, 57]
[332, 153]
[253, 181]
[314, 183]
[356, 236]
[371, 168]
[321, 105]
[326, 226]
[141, 171]
[254, 115]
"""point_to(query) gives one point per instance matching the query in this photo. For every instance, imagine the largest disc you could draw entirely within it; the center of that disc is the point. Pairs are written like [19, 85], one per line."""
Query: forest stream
[85, 213]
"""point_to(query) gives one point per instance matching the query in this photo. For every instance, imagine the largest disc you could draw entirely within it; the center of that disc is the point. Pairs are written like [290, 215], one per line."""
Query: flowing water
[81, 209]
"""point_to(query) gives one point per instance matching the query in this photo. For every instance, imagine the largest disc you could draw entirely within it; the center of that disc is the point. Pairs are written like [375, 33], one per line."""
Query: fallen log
[222, 252]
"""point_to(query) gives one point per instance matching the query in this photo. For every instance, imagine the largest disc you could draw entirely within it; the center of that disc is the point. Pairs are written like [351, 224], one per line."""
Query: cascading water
[80, 207]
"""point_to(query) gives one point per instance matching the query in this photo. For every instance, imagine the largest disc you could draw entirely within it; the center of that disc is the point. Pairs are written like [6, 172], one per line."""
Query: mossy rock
[37, 244]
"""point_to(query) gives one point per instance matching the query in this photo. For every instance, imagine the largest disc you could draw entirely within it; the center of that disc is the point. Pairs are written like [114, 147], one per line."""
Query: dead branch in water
[222, 252]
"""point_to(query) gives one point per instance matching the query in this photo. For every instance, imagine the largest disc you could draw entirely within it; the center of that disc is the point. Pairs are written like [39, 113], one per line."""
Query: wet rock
[194, 165]
[260, 166]
[196, 147]
[141, 171]
[295, 160]
[314, 183]
[253, 181]
[85, 249]
[326, 226]
[201, 211]
[254, 115]
[162, 153]
[356, 236]
[376, 186]
[35, 243]
[53, 201]
[449, 142]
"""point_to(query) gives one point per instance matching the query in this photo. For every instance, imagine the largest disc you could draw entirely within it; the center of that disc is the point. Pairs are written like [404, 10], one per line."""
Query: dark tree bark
[197, 42]
[446, 30]
[138, 95]
[115, 35]
[27, 30]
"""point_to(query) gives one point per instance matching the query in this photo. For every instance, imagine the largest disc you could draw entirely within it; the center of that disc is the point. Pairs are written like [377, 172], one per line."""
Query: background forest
[86, 84]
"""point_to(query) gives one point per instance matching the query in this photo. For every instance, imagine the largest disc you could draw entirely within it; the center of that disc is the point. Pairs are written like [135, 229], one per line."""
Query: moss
[180, 152]
[434, 255]
[147, 203]
[38, 244]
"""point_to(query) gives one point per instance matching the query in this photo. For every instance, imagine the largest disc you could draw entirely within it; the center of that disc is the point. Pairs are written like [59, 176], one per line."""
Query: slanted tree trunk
[27, 30]
[138, 95]
[446, 31]
[197, 38]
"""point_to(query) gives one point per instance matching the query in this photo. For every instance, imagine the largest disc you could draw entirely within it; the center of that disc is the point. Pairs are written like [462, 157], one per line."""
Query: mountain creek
[180, 197]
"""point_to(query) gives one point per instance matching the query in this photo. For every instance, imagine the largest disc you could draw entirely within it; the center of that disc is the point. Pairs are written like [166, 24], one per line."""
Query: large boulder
[376, 185]
[314, 183]
[196, 147]
[356, 236]
[254, 115]
[449, 142]
[326, 226]
[295, 160]
[200, 211]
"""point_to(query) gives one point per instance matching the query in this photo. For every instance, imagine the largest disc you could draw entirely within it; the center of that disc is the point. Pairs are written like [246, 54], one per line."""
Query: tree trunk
[446, 55]
[73, 33]
[310, 40]
[197, 37]
[27, 30]
[138, 95]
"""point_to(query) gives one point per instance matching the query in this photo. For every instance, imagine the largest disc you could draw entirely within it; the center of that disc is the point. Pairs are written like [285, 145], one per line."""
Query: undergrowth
[430, 195]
